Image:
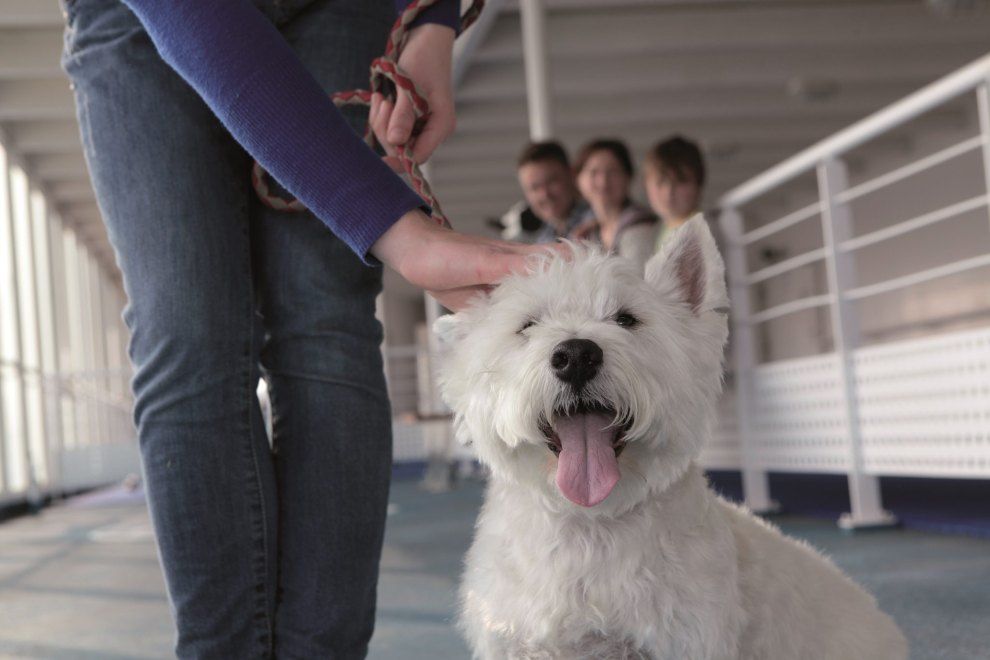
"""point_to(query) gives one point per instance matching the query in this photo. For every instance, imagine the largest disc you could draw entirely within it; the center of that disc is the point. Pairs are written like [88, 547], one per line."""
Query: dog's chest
[626, 591]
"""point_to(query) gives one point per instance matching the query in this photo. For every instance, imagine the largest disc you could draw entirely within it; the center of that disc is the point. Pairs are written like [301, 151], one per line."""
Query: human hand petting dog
[452, 267]
[426, 58]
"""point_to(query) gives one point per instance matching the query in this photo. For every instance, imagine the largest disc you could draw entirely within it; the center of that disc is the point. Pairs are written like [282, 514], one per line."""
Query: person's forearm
[246, 72]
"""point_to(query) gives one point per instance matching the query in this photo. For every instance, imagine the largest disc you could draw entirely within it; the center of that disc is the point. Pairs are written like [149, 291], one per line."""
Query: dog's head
[585, 380]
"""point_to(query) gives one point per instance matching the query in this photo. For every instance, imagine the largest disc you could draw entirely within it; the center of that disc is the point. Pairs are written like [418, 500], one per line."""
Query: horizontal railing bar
[782, 223]
[917, 278]
[928, 97]
[914, 223]
[785, 266]
[910, 169]
[789, 308]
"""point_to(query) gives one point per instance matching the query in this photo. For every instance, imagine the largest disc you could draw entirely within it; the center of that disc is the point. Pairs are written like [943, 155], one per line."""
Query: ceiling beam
[67, 192]
[58, 167]
[30, 13]
[726, 70]
[44, 136]
[657, 29]
[630, 109]
[30, 52]
[36, 99]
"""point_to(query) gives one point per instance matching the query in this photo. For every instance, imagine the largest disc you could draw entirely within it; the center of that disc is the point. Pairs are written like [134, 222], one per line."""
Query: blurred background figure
[604, 176]
[552, 207]
[674, 177]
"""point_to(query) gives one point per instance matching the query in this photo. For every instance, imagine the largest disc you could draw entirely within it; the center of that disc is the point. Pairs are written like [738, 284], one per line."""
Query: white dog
[589, 392]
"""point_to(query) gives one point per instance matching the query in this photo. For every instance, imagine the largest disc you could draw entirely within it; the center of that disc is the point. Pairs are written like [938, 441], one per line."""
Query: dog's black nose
[576, 361]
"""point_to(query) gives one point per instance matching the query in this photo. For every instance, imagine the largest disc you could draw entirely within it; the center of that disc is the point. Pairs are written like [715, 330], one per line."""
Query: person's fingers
[437, 129]
[376, 100]
[400, 124]
[380, 125]
[458, 299]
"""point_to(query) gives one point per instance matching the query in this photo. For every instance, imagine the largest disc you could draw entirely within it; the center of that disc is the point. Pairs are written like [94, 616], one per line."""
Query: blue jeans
[266, 550]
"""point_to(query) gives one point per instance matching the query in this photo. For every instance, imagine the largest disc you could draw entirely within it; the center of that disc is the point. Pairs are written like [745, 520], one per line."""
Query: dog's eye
[528, 324]
[625, 319]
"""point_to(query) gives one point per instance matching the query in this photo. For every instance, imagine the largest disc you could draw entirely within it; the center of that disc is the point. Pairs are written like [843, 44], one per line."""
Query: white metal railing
[839, 412]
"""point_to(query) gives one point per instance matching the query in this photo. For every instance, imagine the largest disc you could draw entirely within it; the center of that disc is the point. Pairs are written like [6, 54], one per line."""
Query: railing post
[537, 64]
[864, 489]
[983, 110]
[756, 486]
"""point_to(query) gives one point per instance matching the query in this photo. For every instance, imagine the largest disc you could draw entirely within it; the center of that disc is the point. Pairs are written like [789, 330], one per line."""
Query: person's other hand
[452, 267]
[426, 58]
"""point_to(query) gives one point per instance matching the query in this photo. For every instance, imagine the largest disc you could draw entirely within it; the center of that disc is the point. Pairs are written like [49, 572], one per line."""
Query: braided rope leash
[386, 76]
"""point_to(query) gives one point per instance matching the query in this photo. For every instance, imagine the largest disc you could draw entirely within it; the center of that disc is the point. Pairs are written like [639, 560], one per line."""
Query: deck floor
[81, 580]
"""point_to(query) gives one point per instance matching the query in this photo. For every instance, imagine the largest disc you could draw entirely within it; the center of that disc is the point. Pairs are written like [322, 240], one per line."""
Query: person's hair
[680, 156]
[539, 152]
[615, 147]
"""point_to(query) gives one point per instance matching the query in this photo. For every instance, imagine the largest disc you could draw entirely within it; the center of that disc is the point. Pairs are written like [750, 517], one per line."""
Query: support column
[864, 489]
[983, 110]
[534, 36]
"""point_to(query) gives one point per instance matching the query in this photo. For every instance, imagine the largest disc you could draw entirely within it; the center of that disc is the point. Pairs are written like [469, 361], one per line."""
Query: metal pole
[864, 489]
[534, 35]
[983, 110]
[756, 485]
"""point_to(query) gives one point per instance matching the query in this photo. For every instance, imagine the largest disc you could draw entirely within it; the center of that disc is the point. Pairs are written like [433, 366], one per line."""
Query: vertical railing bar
[756, 485]
[864, 489]
[983, 111]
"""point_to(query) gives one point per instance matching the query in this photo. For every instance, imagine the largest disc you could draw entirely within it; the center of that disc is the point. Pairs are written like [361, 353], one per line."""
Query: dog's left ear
[688, 268]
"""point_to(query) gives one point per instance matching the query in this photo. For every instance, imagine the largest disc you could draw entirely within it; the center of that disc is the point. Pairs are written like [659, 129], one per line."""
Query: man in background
[551, 197]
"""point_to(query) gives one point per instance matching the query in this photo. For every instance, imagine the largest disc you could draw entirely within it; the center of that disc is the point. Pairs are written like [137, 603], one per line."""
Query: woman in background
[604, 176]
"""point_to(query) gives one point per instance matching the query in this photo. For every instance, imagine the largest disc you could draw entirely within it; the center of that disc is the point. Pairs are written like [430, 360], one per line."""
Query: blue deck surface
[81, 580]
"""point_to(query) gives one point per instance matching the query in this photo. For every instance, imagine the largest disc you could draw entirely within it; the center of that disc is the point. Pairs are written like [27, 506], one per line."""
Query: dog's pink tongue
[587, 469]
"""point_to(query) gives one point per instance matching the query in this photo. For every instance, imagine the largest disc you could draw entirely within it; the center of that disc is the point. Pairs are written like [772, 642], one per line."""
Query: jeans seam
[259, 486]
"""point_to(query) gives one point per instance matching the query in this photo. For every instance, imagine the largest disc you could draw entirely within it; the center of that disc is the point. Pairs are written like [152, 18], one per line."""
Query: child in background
[674, 176]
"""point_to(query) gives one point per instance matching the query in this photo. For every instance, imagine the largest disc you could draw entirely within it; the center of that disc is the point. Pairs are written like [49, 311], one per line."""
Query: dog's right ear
[688, 268]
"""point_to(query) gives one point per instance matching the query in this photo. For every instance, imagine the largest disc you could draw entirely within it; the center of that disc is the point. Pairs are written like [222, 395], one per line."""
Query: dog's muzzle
[587, 444]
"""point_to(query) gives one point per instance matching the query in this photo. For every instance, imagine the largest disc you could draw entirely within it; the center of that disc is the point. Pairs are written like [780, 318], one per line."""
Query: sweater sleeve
[444, 12]
[245, 71]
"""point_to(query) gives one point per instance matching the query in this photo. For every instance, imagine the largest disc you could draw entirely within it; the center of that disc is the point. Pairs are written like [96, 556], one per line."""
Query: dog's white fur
[663, 568]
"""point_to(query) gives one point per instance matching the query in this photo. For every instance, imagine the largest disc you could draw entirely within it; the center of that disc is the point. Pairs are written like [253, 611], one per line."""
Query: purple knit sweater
[245, 71]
